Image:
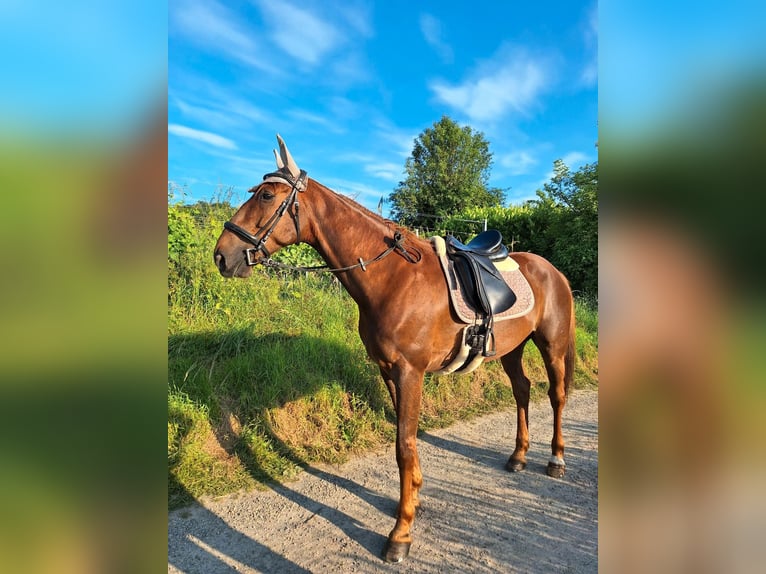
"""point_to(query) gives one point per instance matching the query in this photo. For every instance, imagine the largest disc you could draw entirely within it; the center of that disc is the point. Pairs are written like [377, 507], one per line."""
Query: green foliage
[180, 233]
[300, 255]
[447, 172]
[574, 230]
[192, 233]
[447, 177]
[561, 225]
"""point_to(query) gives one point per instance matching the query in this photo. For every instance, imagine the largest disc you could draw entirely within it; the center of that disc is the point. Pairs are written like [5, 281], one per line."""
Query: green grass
[269, 374]
[586, 341]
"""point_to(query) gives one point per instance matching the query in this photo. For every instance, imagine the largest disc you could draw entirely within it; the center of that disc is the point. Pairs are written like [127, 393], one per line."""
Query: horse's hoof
[396, 551]
[556, 470]
[515, 465]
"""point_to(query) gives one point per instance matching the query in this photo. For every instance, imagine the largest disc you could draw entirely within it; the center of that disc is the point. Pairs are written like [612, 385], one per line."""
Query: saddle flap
[483, 283]
[466, 310]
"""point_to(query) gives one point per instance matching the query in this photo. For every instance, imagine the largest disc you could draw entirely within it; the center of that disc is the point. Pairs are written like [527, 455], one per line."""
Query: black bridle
[290, 203]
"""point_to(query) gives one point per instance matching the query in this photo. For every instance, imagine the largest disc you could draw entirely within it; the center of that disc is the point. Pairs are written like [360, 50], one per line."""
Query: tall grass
[268, 374]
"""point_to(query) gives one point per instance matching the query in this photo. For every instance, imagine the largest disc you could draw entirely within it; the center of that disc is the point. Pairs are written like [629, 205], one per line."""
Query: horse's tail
[571, 354]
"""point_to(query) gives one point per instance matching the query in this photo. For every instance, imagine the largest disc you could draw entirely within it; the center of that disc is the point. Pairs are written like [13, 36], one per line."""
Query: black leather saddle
[482, 283]
[488, 243]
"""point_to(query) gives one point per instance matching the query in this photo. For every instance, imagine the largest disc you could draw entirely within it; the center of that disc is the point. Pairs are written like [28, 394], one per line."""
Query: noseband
[262, 235]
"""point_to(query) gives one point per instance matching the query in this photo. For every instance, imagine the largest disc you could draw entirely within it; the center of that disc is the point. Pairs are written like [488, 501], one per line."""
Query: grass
[269, 374]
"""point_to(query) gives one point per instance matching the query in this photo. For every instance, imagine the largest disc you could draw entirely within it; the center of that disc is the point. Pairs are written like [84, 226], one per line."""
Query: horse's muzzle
[231, 267]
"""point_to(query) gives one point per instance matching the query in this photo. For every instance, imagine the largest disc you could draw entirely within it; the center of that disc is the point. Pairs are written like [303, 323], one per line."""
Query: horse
[406, 322]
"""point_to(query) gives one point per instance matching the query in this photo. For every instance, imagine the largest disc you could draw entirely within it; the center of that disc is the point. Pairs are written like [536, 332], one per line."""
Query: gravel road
[475, 516]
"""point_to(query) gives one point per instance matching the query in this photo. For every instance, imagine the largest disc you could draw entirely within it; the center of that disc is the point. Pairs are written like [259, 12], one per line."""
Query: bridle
[292, 205]
[261, 237]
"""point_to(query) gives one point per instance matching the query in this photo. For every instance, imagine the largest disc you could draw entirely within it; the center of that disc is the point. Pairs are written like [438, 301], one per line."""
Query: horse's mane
[356, 206]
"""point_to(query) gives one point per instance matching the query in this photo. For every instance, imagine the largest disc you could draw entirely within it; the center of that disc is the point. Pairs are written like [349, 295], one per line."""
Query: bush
[560, 225]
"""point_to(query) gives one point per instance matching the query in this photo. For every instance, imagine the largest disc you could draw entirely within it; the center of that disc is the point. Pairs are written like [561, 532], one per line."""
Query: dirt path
[475, 516]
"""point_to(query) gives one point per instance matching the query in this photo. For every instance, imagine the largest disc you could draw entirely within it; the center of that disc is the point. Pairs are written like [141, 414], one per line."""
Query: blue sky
[350, 84]
[666, 62]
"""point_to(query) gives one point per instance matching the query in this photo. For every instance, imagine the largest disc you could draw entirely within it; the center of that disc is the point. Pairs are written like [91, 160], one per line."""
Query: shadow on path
[199, 539]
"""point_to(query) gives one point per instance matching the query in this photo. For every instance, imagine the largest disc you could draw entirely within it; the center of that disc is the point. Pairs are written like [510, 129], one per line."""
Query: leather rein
[291, 204]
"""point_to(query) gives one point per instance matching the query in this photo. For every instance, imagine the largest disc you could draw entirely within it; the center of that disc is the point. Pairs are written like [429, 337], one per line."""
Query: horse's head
[266, 222]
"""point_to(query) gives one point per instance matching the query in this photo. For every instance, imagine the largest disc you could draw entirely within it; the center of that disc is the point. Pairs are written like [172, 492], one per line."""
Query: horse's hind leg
[521, 385]
[558, 356]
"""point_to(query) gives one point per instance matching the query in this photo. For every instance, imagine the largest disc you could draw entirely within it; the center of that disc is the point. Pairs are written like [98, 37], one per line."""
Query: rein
[259, 240]
[398, 245]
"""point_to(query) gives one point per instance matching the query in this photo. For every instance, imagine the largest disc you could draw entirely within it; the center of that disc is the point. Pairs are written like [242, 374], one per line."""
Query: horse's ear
[280, 164]
[287, 159]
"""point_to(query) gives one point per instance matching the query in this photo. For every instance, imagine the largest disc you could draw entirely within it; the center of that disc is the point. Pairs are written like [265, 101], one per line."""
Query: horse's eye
[267, 196]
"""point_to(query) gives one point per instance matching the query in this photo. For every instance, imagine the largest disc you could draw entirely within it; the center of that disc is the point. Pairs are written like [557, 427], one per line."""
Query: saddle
[482, 283]
[488, 243]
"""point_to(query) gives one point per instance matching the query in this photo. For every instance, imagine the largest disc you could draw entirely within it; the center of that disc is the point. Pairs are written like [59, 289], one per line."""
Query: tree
[447, 172]
[577, 191]
[574, 228]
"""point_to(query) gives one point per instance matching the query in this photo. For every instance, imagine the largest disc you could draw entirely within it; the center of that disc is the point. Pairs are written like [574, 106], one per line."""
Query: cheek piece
[262, 235]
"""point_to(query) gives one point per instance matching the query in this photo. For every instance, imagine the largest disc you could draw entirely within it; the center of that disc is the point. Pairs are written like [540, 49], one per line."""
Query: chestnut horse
[405, 319]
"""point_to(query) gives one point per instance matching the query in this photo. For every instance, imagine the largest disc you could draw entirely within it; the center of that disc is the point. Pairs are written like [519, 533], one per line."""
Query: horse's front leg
[409, 386]
[417, 476]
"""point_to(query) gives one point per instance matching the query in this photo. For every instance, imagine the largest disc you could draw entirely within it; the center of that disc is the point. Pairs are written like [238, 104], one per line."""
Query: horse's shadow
[203, 351]
[492, 459]
[203, 542]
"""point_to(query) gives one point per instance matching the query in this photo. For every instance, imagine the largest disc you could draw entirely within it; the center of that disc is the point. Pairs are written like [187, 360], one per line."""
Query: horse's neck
[342, 232]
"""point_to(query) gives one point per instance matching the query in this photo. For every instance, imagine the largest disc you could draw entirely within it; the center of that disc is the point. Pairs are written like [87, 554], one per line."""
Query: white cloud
[589, 74]
[512, 81]
[324, 122]
[400, 141]
[300, 33]
[575, 159]
[203, 114]
[388, 171]
[344, 108]
[364, 194]
[213, 26]
[351, 68]
[244, 109]
[359, 16]
[591, 28]
[200, 135]
[251, 169]
[432, 31]
[208, 104]
[518, 162]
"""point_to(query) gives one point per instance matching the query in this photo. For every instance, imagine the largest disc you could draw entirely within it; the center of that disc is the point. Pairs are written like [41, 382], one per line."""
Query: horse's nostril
[220, 261]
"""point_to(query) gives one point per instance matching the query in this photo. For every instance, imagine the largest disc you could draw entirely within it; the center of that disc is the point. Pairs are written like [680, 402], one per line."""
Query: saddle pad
[525, 299]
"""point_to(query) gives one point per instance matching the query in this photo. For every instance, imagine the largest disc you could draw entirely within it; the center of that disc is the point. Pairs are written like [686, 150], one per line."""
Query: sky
[350, 84]
[662, 63]
[80, 69]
